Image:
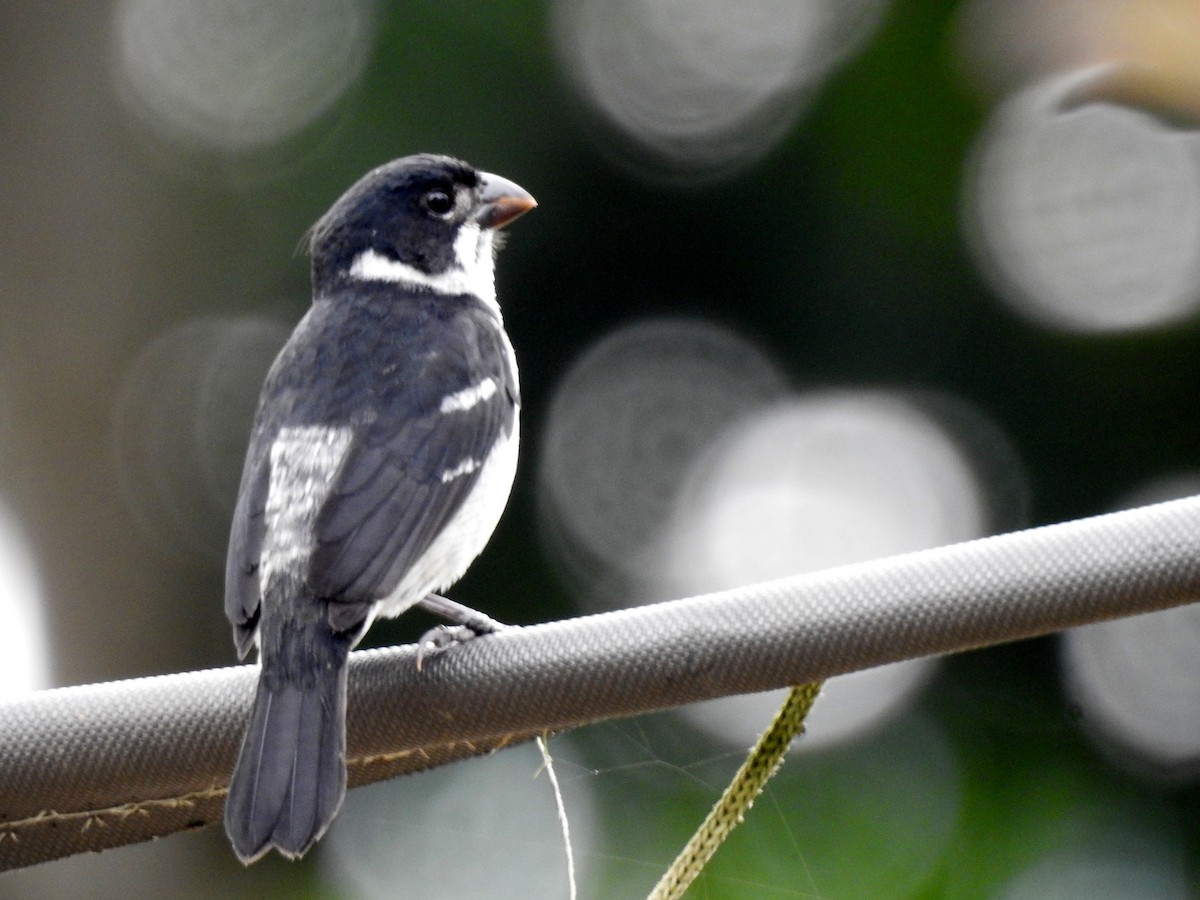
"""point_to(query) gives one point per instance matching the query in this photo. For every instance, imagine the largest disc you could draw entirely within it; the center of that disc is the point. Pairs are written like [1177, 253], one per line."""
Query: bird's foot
[468, 623]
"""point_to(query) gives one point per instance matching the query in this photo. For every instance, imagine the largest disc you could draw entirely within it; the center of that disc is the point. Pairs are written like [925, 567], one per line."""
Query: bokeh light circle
[1137, 683]
[849, 707]
[182, 423]
[1087, 219]
[236, 75]
[623, 425]
[1136, 680]
[816, 481]
[25, 660]
[700, 87]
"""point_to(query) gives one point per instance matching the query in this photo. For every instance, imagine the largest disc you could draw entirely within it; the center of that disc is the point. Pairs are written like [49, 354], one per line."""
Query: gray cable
[85, 768]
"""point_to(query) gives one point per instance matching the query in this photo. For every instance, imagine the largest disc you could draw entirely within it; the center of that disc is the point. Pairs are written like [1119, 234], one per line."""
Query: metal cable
[85, 768]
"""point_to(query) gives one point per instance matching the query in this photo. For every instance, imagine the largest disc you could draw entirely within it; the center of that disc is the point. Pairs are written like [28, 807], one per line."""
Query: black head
[427, 216]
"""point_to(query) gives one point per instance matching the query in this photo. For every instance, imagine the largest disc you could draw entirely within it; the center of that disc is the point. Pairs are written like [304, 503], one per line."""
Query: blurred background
[811, 282]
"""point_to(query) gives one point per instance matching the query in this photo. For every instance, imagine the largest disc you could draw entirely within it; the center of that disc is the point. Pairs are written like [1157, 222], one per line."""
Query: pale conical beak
[501, 201]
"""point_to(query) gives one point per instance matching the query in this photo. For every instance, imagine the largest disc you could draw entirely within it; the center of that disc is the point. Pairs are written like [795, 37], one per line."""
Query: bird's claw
[439, 639]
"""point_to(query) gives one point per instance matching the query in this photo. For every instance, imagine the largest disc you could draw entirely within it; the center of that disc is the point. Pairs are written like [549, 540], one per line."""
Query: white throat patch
[473, 271]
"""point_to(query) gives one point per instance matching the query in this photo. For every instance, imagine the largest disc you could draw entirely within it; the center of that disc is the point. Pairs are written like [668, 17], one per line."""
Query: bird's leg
[477, 622]
[467, 623]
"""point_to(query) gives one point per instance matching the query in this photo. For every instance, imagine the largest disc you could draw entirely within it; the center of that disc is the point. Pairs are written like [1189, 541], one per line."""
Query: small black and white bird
[381, 457]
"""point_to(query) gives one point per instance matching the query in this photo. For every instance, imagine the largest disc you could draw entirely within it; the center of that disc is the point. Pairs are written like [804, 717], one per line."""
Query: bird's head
[420, 221]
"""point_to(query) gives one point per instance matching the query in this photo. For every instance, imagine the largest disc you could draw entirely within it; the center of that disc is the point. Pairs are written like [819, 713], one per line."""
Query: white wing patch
[473, 271]
[304, 461]
[466, 467]
[468, 398]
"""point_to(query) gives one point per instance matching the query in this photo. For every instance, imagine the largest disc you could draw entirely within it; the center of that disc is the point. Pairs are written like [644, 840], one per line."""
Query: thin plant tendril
[548, 764]
[763, 762]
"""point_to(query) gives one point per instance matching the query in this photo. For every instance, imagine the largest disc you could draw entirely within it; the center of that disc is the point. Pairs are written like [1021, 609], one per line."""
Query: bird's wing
[411, 466]
[245, 548]
[248, 530]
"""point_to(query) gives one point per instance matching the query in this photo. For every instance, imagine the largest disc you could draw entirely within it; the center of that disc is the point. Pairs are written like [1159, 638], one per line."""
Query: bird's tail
[290, 777]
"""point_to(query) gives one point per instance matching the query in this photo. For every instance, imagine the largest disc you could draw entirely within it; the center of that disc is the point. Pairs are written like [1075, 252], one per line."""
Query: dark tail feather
[290, 777]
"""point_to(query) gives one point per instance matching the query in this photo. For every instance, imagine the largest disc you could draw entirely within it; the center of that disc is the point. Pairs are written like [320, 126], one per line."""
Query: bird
[381, 456]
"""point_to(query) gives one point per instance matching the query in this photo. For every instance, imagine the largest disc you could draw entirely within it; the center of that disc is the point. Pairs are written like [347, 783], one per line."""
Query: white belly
[464, 536]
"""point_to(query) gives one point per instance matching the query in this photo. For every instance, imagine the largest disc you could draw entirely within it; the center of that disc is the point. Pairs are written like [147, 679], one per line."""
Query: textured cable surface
[98, 766]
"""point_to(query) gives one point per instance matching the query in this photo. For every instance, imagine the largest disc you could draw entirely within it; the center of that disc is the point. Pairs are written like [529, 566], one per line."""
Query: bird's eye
[438, 202]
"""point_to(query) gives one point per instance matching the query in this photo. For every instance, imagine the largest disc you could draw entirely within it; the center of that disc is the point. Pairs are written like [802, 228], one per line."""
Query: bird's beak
[501, 201]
